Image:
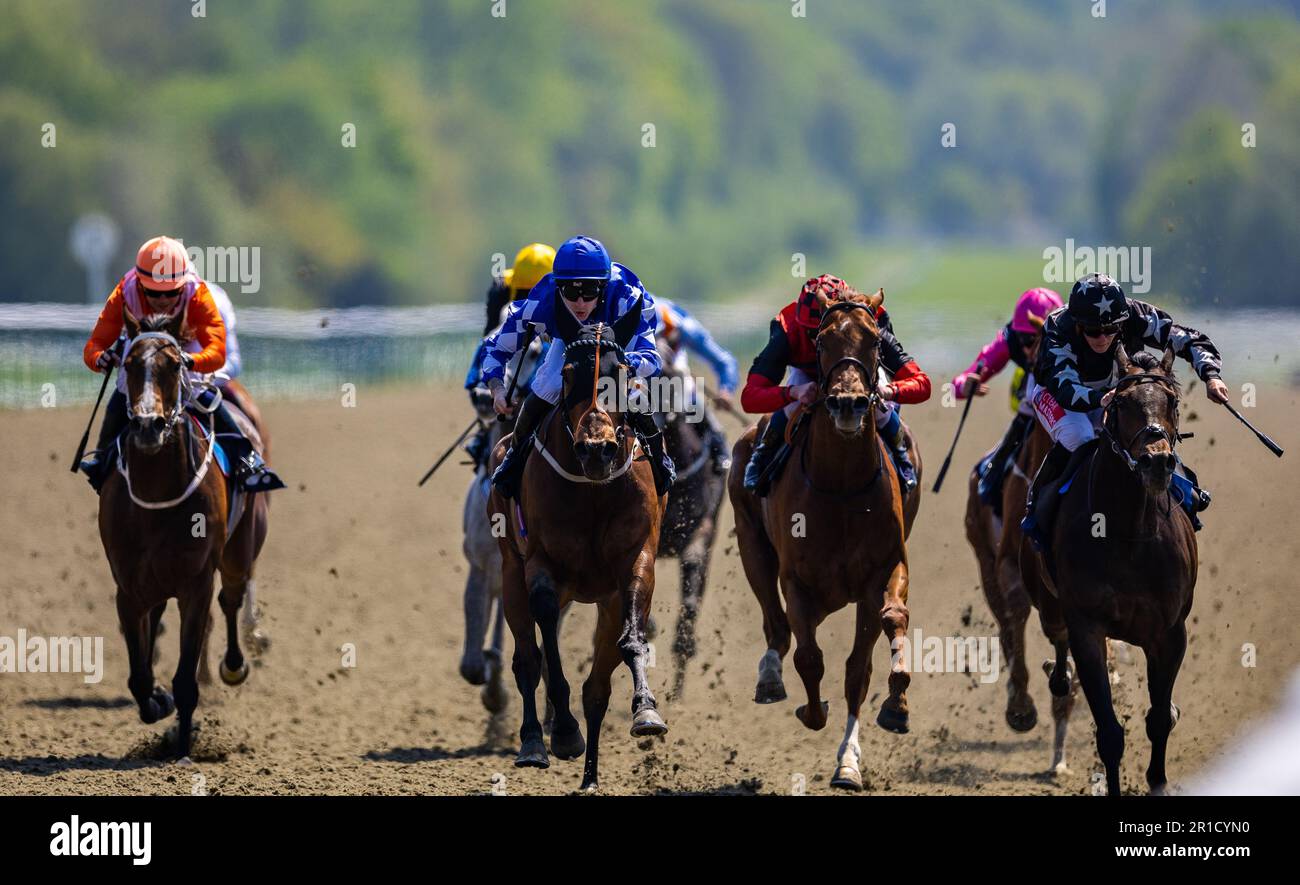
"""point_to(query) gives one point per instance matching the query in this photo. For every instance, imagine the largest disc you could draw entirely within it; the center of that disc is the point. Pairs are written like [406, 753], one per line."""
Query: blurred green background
[773, 135]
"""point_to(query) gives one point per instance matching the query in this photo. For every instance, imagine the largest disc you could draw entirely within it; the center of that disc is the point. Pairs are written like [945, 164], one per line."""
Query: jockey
[164, 281]
[682, 333]
[791, 346]
[532, 262]
[592, 289]
[1016, 343]
[1075, 374]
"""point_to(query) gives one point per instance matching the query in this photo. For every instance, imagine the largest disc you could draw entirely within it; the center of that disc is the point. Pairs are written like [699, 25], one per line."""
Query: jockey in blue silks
[683, 334]
[593, 290]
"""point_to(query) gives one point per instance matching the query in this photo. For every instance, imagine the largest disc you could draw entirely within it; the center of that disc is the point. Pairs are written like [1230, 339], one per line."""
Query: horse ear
[875, 300]
[626, 325]
[129, 321]
[176, 325]
[1121, 357]
[1035, 320]
[1167, 364]
[565, 322]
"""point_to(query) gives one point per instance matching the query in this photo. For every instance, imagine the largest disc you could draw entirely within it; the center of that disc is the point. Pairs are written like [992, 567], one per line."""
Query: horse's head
[848, 355]
[594, 422]
[154, 369]
[1142, 417]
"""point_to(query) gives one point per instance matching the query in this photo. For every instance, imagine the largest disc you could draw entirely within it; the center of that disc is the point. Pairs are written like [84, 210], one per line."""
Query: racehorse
[586, 528]
[1124, 556]
[162, 521]
[833, 531]
[690, 521]
[1011, 591]
[482, 600]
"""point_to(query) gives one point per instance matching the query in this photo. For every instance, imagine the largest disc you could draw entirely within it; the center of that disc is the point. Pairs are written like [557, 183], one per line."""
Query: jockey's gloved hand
[1216, 390]
[107, 360]
[187, 359]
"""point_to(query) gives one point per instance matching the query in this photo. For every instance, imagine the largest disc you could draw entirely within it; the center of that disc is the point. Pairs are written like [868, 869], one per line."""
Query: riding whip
[85, 437]
[943, 471]
[1268, 443]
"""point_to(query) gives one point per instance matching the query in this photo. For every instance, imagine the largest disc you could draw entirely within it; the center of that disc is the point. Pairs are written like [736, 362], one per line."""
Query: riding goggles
[580, 290]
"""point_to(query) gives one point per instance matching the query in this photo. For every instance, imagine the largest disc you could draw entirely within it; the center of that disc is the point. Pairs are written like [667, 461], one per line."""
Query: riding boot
[893, 435]
[1040, 506]
[661, 465]
[97, 464]
[510, 471]
[251, 473]
[477, 448]
[1188, 492]
[990, 484]
[766, 447]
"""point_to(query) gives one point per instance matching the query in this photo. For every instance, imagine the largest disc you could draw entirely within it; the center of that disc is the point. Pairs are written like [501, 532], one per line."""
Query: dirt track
[357, 554]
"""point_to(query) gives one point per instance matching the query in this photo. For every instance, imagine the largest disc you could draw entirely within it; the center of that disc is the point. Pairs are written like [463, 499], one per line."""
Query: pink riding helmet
[1040, 302]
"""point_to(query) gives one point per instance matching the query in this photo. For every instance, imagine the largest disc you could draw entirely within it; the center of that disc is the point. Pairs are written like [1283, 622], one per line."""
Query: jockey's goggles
[580, 290]
[1099, 331]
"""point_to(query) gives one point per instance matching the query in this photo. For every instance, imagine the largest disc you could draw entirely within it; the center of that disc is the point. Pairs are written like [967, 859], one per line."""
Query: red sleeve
[911, 384]
[762, 395]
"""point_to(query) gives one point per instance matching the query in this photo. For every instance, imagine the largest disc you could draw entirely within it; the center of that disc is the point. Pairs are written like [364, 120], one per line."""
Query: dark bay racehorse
[586, 529]
[832, 531]
[1125, 557]
[690, 520]
[162, 520]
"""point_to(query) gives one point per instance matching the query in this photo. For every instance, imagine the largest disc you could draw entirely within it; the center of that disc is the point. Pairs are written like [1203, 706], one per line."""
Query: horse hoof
[894, 720]
[533, 755]
[589, 786]
[769, 692]
[1022, 720]
[1060, 769]
[474, 673]
[233, 677]
[847, 778]
[494, 697]
[568, 746]
[161, 705]
[814, 724]
[648, 723]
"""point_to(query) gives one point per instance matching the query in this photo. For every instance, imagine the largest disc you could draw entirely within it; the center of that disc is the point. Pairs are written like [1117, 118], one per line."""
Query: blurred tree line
[771, 135]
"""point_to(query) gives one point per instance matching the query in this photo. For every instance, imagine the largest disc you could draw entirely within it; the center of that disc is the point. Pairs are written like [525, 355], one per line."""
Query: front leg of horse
[808, 661]
[139, 629]
[195, 606]
[857, 678]
[473, 665]
[893, 714]
[1061, 677]
[233, 667]
[694, 563]
[527, 664]
[1021, 714]
[544, 605]
[636, 650]
[1163, 663]
[1089, 646]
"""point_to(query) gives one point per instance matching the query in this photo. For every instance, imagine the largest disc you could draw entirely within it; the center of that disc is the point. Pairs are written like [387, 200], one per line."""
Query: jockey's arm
[643, 359]
[209, 330]
[502, 344]
[107, 329]
[1159, 330]
[909, 384]
[697, 340]
[1057, 367]
[763, 392]
[992, 358]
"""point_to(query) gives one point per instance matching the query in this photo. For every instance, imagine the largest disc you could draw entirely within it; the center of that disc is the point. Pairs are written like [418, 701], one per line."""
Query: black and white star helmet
[1097, 300]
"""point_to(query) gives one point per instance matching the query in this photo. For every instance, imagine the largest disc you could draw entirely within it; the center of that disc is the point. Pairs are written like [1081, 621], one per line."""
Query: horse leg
[527, 663]
[544, 604]
[857, 677]
[477, 603]
[1163, 662]
[893, 714]
[232, 667]
[139, 629]
[646, 720]
[804, 620]
[606, 656]
[694, 570]
[493, 694]
[1021, 713]
[1063, 681]
[1089, 647]
[195, 606]
[759, 560]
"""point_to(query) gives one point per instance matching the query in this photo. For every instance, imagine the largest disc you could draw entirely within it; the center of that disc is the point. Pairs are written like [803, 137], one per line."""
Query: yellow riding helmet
[533, 262]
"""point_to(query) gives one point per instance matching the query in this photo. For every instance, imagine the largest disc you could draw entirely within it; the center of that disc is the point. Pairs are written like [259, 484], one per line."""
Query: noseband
[868, 375]
[1150, 430]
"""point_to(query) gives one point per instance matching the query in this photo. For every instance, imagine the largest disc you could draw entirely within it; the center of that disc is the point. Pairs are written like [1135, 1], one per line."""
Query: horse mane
[156, 322]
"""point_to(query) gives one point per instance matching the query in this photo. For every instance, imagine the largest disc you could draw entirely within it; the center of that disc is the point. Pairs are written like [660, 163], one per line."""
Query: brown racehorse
[162, 520]
[833, 531]
[1010, 593]
[590, 529]
[1125, 556]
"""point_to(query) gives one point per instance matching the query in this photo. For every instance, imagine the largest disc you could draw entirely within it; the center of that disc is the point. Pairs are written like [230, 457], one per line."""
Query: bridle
[184, 396]
[868, 374]
[1111, 433]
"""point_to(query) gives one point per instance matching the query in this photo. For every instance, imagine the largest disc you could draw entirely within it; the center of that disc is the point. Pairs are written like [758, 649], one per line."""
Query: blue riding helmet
[582, 258]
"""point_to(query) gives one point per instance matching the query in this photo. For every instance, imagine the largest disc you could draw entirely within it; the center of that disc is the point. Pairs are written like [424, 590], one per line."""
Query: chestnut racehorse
[833, 531]
[586, 529]
[162, 520]
[1125, 556]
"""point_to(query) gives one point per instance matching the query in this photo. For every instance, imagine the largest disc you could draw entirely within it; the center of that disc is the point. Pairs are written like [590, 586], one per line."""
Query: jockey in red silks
[791, 346]
[1016, 343]
[164, 281]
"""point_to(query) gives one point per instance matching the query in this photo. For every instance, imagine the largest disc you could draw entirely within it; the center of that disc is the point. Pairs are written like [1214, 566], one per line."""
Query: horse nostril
[1144, 460]
[861, 404]
[609, 450]
[833, 403]
[158, 424]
